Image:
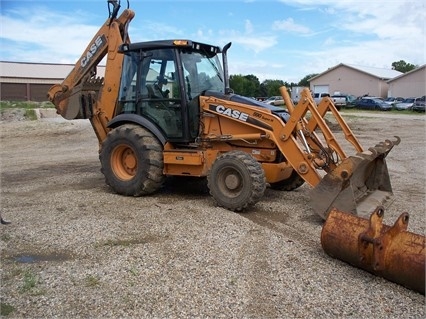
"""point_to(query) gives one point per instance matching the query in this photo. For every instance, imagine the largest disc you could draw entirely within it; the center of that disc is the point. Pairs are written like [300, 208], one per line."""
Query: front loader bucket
[358, 185]
[389, 252]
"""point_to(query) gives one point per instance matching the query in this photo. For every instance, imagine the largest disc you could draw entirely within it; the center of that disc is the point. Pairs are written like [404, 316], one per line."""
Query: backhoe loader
[165, 108]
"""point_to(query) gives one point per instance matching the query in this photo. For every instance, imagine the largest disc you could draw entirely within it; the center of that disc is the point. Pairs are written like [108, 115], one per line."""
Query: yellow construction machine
[165, 108]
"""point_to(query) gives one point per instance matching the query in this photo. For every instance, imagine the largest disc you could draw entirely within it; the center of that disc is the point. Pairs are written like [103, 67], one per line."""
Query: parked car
[274, 100]
[406, 104]
[419, 104]
[350, 100]
[318, 97]
[393, 100]
[373, 103]
[339, 100]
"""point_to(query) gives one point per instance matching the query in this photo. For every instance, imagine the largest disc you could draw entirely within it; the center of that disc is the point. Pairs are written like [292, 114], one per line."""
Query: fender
[136, 119]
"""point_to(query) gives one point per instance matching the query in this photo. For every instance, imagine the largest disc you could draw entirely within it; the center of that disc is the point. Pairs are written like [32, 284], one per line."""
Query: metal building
[23, 81]
[410, 84]
[355, 80]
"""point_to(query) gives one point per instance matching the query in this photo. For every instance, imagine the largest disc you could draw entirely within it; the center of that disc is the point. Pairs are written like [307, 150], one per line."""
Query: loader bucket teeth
[358, 185]
[390, 252]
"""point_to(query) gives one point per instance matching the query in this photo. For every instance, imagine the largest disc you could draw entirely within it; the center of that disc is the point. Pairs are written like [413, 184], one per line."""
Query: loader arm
[355, 184]
[307, 128]
[81, 94]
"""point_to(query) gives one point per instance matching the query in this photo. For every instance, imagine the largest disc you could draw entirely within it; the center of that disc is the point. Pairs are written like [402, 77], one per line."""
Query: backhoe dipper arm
[66, 96]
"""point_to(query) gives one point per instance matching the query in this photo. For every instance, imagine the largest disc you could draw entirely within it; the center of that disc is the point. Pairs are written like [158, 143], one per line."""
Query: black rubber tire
[132, 161]
[236, 180]
[289, 184]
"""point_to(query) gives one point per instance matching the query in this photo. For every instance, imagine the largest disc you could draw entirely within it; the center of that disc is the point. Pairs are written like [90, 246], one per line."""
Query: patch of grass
[25, 105]
[92, 281]
[6, 309]
[406, 112]
[29, 282]
[13, 272]
[30, 114]
[233, 281]
[16, 271]
[393, 111]
[5, 237]
[134, 271]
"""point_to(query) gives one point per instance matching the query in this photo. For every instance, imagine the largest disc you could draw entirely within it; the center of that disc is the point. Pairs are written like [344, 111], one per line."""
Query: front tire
[236, 180]
[132, 161]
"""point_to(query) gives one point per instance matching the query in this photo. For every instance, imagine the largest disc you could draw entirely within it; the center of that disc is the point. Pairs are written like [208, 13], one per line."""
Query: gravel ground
[76, 250]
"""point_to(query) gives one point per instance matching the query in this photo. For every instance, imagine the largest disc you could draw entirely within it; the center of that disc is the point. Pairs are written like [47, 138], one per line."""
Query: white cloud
[290, 26]
[155, 31]
[377, 33]
[329, 41]
[256, 44]
[39, 36]
[249, 27]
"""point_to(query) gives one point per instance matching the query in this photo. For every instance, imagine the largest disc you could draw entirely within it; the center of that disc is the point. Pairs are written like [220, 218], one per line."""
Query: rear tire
[132, 161]
[289, 184]
[236, 180]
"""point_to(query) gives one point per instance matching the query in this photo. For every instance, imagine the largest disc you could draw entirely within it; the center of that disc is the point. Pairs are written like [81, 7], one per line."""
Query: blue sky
[285, 39]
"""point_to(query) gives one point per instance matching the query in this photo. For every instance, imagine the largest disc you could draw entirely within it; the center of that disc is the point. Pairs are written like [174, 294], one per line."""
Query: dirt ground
[92, 253]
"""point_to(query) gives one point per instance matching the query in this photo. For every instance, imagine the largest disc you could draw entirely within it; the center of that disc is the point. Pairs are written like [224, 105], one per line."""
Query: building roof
[381, 73]
[38, 70]
[408, 73]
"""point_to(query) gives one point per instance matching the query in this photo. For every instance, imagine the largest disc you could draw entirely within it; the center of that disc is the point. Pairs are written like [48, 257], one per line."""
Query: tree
[403, 66]
[246, 85]
[249, 85]
[272, 87]
[305, 80]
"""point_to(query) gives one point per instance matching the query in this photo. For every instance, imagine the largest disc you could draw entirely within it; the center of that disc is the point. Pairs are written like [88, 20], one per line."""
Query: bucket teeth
[93, 84]
[367, 183]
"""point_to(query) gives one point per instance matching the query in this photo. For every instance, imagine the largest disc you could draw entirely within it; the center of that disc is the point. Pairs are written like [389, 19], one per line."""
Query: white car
[275, 100]
[394, 100]
[407, 104]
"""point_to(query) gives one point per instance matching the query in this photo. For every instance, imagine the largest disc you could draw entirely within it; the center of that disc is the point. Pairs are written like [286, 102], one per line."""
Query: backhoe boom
[81, 95]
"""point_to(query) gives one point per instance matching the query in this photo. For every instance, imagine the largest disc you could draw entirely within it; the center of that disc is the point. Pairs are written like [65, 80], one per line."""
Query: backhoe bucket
[358, 185]
[75, 103]
[389, 252]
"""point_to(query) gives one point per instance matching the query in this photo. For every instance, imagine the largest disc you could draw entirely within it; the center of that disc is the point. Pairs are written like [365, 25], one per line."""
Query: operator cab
[162, 80]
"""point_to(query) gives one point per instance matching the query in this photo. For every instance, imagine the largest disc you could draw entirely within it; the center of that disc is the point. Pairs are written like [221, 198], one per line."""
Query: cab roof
[176, 43]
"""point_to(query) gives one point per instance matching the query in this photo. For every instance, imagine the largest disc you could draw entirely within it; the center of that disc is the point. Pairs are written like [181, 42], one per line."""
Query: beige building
[410, 84]
[355, 80]
[22, 81]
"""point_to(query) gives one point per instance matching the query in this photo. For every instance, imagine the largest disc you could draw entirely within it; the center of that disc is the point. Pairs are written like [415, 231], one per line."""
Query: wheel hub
[232, 181]
[129, 160]
[124, 162]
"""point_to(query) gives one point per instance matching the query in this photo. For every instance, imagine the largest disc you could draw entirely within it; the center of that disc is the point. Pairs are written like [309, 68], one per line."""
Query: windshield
[201, 73]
